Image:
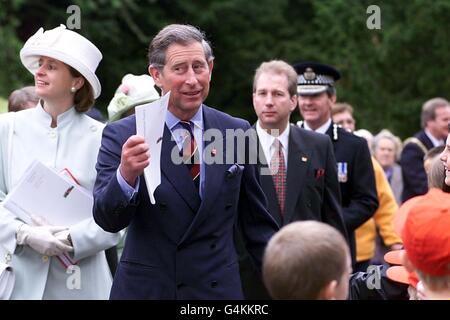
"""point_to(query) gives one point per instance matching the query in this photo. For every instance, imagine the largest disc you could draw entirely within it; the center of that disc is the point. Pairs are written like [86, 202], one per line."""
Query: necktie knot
[186, 125]
[191, 155]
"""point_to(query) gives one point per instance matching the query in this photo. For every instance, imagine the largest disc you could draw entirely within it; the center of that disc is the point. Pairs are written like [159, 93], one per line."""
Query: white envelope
[150, 122]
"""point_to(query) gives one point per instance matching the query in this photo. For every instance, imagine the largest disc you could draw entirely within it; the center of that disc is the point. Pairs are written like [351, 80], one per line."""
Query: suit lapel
[422, 136]
[178, 174]
[299, 159]
[214, 173]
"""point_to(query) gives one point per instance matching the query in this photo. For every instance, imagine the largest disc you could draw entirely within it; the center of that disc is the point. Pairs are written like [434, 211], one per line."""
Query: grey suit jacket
[397, 183]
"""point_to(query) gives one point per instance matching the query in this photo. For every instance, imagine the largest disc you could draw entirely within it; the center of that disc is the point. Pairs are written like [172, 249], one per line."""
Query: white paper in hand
[43, 192]
[150, 122]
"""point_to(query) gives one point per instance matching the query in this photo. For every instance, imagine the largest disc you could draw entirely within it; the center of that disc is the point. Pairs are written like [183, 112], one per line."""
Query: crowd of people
[323, 209]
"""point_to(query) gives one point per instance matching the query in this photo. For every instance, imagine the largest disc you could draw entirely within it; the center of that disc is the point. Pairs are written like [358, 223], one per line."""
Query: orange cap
[398, 272]
[426, 233]
[402, 214]
[394, 257]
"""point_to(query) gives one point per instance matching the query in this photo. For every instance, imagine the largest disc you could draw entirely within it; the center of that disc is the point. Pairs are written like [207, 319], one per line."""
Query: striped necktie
[278, 170]
[191, 155]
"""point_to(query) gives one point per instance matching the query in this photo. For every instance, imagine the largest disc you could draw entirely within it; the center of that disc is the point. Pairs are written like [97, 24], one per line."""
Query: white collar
[434, 141]
[46, 119]
[322, 129]
[267, 140]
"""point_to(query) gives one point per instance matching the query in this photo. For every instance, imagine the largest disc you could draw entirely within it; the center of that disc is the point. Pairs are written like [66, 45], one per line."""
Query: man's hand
[135, 157]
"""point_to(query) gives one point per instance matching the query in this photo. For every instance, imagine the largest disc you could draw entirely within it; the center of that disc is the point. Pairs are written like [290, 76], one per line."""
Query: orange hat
[402, 214]
[398, 272]
[426, 233]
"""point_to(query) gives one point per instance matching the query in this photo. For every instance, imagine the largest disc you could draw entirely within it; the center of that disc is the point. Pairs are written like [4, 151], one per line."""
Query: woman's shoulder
[90, 122]
[6, 119]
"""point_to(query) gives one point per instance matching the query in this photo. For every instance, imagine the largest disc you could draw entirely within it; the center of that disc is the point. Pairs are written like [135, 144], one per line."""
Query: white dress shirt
[436, 142]
[322, 129]
[267, 142]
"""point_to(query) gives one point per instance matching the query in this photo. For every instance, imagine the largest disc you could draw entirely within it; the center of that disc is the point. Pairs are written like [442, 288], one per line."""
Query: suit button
[180, 285]
[213, 246]
[44, 258]
[214, 284]
[228, 206]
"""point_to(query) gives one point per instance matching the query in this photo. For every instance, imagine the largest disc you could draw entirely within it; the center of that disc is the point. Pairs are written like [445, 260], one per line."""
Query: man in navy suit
[316, 95]
[182, 247]
[434, 120]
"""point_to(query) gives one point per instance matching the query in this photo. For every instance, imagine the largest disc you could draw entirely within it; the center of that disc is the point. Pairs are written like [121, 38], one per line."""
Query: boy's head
[430, 156]
[426, 238]
[307, 260]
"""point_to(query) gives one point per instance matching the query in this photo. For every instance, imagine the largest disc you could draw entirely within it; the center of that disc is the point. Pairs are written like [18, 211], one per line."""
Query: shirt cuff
[128, 190]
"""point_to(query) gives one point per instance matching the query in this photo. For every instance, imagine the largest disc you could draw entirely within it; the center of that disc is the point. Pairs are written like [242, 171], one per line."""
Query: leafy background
[387, 73]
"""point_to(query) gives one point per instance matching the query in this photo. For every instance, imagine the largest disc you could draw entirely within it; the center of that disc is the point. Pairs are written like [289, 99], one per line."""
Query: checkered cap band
[319, 80]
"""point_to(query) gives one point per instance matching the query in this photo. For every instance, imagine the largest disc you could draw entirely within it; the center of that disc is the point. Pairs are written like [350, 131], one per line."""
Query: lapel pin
[304, 159]
[213, 152]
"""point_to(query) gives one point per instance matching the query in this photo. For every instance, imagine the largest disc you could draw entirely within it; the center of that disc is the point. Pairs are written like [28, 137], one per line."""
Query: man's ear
[333, 98]
[294, 100]
[211, 66]
[156, 75]
[329, 291]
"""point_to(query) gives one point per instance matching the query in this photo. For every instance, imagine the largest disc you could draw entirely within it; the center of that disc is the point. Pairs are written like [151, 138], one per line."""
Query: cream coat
[73, 144]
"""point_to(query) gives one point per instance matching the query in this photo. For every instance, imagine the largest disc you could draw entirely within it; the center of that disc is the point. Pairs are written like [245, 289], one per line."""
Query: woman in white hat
[66, 262]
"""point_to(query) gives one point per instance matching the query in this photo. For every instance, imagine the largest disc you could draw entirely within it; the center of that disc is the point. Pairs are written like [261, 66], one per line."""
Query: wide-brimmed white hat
[133, 91]
[67, 46]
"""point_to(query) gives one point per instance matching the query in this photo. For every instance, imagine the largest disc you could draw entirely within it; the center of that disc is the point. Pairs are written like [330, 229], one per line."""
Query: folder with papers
[43, 192]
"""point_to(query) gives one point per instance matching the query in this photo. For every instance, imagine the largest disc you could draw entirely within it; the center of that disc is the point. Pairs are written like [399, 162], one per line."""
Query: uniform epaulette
[335, 131]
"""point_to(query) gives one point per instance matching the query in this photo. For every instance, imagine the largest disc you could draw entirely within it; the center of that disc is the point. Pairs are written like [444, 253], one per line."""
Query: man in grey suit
[302, 183]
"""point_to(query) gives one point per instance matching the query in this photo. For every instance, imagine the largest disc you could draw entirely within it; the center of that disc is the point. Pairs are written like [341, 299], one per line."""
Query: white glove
[42, 239]
[64, 237]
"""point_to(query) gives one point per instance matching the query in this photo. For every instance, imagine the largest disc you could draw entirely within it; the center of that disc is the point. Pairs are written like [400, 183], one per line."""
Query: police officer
[316, 95]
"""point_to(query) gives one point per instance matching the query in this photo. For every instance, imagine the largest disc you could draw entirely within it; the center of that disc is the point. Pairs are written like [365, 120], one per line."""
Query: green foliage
[3, 105]
[387, 73]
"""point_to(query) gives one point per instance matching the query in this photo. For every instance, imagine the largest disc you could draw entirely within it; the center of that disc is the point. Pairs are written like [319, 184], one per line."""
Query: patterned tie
[278, 170]
[191, 155]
